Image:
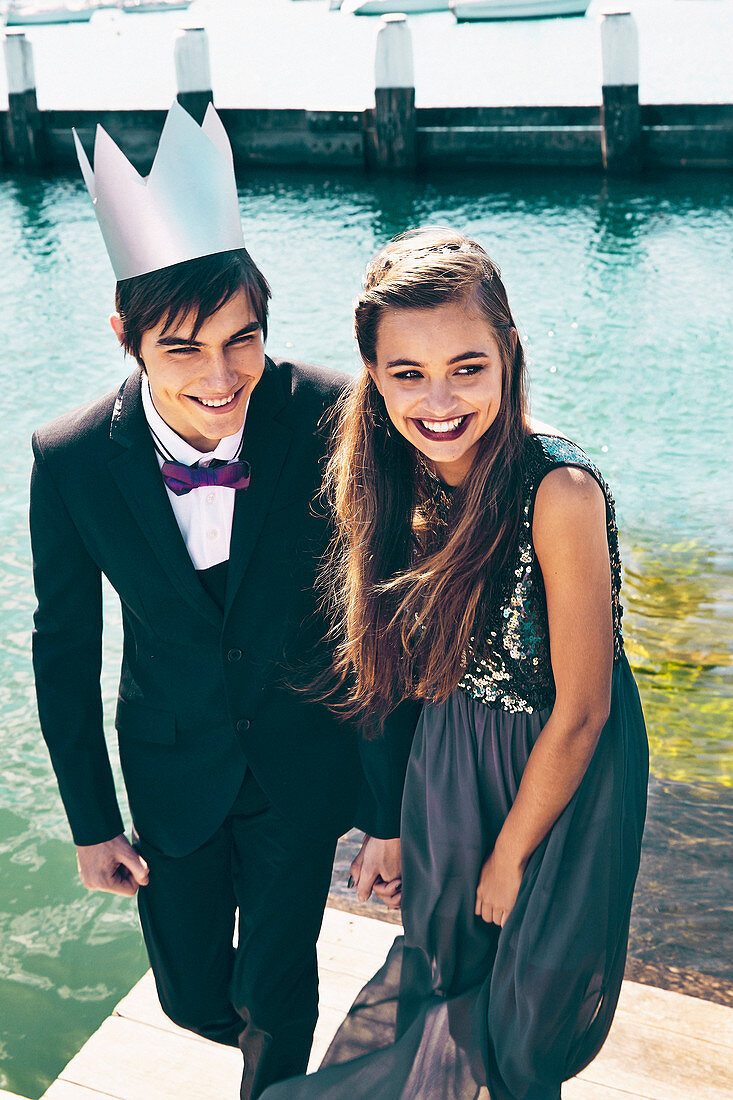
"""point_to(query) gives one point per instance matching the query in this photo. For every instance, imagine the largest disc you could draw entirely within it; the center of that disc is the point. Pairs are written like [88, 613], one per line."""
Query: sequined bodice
[510, 669]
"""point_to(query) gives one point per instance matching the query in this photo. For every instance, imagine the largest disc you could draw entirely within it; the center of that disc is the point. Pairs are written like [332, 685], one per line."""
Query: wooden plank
[360, 933]
[347, 960]
[661, 1065]
[687, 114]
[5, 1095]
[337, 991]
[343, 972]
[142, 1006]
[329, 1020]
[689, 146]
[578, 1089]
[451, 117]
[675, 1012]
[529, 145]
[158, 1064]
[65, 1090]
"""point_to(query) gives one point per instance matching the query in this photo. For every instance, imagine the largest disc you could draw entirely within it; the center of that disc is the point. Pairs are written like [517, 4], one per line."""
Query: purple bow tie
[182, 479]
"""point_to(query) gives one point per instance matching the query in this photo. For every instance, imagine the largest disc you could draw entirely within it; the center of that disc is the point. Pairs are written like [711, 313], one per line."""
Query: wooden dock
[663, 1045]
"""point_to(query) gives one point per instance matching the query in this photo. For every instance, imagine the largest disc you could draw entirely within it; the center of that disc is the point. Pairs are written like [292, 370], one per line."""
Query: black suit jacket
[202, 693]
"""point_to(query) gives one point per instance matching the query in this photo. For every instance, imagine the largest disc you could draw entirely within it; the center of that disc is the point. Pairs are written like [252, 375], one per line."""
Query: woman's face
[439, 371]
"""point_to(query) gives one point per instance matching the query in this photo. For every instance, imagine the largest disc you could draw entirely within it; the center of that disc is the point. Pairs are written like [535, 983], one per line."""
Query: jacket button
[243, 725]
[234, 655]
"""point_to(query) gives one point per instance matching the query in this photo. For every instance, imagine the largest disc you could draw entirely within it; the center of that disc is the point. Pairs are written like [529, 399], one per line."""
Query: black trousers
[261, 995]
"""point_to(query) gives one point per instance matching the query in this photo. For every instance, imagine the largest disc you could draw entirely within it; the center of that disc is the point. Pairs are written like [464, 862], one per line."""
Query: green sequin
[510, 668]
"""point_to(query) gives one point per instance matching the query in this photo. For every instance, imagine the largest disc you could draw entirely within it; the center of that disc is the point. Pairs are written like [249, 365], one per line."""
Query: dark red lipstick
[446, 437]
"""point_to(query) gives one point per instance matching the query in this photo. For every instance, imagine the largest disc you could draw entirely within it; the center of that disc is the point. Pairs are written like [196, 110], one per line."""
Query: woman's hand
[498, 886]
[378, 867]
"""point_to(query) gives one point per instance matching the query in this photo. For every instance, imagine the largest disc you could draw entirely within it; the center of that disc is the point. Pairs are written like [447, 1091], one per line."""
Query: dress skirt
[464, 1010]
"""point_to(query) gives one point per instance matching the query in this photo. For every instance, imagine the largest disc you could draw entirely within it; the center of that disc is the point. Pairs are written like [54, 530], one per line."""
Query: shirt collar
[178, 448]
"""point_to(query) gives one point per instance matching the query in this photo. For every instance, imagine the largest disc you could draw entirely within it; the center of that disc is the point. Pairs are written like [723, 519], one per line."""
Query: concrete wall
[685, 136]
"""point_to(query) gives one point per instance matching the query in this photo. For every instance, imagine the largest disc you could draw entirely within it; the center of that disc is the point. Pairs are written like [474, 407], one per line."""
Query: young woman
[477, 570]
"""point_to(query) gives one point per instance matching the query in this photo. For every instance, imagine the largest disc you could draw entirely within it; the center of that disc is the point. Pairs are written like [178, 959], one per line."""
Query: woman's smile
[444, 431]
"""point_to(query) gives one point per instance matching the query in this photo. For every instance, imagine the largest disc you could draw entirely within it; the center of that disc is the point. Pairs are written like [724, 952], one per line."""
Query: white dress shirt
[204, 515]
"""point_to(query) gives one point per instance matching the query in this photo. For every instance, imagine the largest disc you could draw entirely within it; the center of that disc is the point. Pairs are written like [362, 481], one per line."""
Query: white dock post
[193, 70]
[620, 114]
[394, 94]
[24, 136]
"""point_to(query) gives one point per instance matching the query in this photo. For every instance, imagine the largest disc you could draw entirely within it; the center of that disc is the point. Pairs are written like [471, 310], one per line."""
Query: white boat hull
[482, 10]
[141, 7]
[36, 17]
[384, 7]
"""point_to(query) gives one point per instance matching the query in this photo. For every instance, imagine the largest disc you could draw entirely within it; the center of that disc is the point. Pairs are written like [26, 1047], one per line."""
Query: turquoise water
[622, 292]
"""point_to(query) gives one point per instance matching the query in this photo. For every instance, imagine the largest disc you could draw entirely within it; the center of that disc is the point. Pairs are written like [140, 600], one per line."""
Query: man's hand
[113, 865]
[378, 867]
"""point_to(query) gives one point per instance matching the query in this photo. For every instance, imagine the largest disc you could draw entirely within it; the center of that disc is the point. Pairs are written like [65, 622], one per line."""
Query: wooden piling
[193, 71]
[395, 118]
[23, 148]
[620, 114]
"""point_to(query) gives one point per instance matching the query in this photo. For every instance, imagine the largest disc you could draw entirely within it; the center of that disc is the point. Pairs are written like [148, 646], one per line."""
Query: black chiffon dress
[462, 1009]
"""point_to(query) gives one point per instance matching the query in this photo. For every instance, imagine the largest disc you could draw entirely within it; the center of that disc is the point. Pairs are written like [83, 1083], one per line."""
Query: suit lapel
[265, 446]
[137, 474]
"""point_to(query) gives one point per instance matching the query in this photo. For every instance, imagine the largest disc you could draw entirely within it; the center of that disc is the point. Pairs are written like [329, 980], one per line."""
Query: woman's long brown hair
[405, 607]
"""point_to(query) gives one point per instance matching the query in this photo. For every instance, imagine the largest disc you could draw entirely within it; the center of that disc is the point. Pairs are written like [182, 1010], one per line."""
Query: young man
[191, 488]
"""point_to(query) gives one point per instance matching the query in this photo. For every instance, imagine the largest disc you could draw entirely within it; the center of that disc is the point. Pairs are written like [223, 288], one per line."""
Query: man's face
[201, 386]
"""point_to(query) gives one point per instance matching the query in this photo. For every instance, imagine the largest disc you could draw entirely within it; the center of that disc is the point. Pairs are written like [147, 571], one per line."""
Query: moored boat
[34, 15]
[29, 14]
[467, 11]
[139, 7]
[385, 7]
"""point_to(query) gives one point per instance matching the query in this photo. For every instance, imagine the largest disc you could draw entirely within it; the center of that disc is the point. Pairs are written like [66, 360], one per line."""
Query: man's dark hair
[204, 285]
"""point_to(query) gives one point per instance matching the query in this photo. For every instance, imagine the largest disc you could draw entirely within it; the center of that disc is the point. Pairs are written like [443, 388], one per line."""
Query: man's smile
[217, 404]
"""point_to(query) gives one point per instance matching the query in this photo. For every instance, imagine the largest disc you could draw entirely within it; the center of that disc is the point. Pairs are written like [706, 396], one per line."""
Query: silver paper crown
[187, 207]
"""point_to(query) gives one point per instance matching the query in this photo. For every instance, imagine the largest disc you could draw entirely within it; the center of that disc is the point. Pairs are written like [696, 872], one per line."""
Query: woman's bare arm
[570, 539]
